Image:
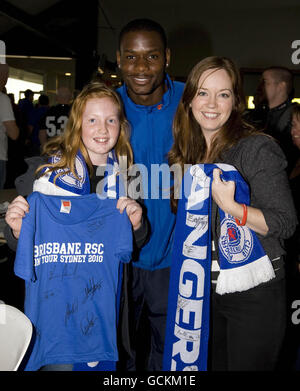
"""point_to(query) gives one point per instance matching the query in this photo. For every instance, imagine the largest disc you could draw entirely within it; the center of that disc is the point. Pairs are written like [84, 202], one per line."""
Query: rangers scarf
[243, 265]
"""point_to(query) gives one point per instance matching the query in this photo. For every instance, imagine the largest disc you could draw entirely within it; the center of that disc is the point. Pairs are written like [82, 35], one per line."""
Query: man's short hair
[143, 25]
[283, 74]
[28, 93]
[43, 100]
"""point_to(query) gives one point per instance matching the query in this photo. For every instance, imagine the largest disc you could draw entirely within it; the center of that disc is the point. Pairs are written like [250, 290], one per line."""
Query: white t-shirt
[6, 114]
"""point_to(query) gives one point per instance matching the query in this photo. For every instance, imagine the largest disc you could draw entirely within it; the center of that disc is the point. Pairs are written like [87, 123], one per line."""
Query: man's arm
[11, 129]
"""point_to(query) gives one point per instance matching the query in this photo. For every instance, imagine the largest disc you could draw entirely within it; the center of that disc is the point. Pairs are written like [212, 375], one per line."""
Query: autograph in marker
[91, 288]
[88, 323]
[70, 310]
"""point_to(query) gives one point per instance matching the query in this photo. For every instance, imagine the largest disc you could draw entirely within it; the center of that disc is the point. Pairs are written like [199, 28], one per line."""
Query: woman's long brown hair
[189, 143]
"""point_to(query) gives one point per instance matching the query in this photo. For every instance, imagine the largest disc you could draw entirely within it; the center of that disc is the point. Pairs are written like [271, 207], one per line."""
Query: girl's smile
[100, 128]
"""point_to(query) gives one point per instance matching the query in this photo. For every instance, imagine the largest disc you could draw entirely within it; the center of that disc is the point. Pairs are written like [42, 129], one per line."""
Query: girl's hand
[15, 212]
[223, 193]
[133, 210]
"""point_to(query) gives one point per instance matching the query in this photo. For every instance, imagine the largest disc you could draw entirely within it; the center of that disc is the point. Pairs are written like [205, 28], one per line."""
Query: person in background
[26, 105]
[16, 150]
[150, 99]
[273, 111]
[54, 122]
[8, 126]
[34, 124]
[294, 177]
[15, 107]
[294, 242]
[292, 344]
[295, 172]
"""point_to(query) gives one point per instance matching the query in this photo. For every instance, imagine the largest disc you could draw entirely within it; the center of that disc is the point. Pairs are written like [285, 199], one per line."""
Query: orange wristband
[244, 219]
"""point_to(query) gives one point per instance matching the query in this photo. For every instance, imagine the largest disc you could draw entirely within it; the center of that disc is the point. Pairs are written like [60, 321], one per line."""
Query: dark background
[255, 34]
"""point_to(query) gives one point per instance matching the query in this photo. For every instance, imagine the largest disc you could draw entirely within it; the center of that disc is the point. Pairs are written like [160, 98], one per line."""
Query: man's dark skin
[142, 59]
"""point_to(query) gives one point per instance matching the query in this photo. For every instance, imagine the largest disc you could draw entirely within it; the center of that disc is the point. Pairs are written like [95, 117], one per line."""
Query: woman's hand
[223, 193]
[16, 210]
[133, 210]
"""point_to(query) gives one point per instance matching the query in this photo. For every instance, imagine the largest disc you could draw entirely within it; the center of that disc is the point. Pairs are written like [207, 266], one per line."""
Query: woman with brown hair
[247, 327]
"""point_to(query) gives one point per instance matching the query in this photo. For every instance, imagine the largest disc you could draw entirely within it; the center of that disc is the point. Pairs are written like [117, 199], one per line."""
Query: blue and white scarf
[243, 265]
[67, 184]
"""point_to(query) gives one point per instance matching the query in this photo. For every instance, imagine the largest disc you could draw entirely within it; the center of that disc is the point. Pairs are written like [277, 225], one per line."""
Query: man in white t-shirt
[8, 126]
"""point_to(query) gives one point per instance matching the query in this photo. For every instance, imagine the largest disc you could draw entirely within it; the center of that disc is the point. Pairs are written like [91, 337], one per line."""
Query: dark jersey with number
[55, 120]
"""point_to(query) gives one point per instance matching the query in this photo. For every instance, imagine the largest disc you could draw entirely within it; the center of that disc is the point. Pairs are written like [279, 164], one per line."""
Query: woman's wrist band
[244, 219]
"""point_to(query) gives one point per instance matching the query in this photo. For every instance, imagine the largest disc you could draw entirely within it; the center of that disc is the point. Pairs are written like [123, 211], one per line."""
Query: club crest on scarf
[236, 242]
[243, 265]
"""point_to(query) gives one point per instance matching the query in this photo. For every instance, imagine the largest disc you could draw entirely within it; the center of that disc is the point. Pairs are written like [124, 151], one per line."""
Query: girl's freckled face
[100, 128]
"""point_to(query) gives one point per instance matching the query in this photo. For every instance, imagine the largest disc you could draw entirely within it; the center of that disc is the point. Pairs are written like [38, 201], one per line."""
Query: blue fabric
[111, 186]
[243, 265]
[112, 183]
[2, 173]
[151, 139]
[68, 181]
[70, 265]
[34, 120]
[26, 106]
